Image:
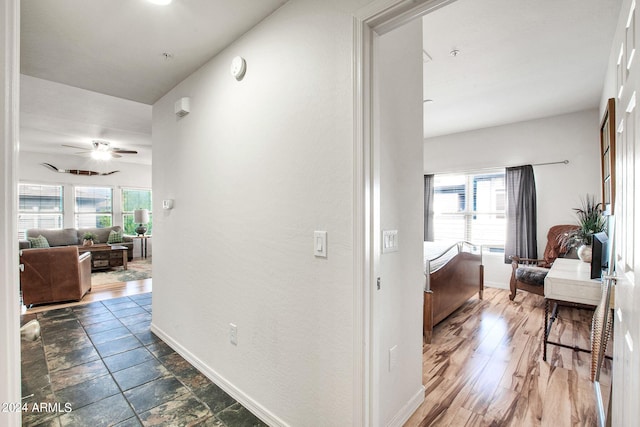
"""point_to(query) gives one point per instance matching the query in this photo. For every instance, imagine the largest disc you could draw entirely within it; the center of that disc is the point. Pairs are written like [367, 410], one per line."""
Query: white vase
[584, 253]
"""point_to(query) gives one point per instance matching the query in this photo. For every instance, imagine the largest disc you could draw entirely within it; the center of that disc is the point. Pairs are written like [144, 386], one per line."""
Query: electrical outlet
[233, 334]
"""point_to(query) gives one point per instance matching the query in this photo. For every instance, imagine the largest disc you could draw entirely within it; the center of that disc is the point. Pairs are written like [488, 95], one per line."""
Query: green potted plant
[88, 239]
[590, 221]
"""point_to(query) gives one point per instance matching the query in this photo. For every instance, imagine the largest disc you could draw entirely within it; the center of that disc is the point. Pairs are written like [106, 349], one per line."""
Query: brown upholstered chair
[54, 275]
[528, 274]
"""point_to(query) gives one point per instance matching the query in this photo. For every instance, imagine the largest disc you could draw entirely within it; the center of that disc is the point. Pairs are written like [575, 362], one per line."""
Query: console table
[568, 283]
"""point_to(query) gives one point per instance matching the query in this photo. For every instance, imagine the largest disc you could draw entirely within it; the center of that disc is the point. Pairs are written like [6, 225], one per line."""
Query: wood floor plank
[484, 367]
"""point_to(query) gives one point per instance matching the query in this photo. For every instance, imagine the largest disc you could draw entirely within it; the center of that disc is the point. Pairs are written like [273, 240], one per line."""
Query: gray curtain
[428, 208]
[521, 213]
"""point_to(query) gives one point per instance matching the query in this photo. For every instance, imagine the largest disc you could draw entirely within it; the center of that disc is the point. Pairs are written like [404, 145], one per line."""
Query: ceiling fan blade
[77, 147]
[117, 150]
[115, 156]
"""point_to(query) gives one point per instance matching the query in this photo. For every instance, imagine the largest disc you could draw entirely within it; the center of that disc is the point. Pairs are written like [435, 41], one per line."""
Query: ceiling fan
[101, 150]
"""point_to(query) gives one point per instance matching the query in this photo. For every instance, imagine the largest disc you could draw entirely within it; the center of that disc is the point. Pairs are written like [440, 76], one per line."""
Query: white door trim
[378, 17]
[9, 294]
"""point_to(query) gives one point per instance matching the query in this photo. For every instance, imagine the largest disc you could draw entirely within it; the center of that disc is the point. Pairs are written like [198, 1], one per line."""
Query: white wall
[254, 169]
[398, 304]
[573, 137]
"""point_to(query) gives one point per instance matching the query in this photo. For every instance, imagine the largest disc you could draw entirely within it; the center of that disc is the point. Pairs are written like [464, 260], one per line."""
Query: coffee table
[105, 256]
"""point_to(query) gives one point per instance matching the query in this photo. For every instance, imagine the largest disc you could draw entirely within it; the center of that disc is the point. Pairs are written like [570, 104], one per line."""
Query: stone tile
[131, 422]
[106, 412]
[129, 312]
[92, 309]
[149, 307]
[140, 374]
[238, 416]
[54, 325]
[78, 374]
[122, 306]
[103, 326]
[54, 422]
[35, 376]
[72, 358]
[110, 335]
[55, 314]
[33, 415]
[160, 349]
[118, 346]
[115, 301]
[135, 319]
[212, 421]
[141, 297]
[98, 318]
[216, 398]
[60, 347]
[147, 337]
[184, 411]
[88, 392]
[127, 359]
[155, 393]
[139, 327]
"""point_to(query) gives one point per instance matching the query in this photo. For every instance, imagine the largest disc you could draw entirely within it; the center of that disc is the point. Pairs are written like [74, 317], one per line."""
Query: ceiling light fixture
[160, 2]
[100, 155]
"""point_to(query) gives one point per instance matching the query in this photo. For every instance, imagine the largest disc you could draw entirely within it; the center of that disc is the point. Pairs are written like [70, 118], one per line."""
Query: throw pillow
[39, 242]
[115, 237]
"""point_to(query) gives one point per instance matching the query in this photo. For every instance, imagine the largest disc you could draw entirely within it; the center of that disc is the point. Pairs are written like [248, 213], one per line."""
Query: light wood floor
[485, 368]
[101, 293]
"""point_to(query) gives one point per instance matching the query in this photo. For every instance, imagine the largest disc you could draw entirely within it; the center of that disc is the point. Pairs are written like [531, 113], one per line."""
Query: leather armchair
[54, 275]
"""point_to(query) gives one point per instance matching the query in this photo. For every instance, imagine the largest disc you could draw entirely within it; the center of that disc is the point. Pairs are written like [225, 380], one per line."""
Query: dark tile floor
[98, 364]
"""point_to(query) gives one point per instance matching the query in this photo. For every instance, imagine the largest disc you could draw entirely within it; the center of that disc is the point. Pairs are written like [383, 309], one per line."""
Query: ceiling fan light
[160, 2]
[100, 155]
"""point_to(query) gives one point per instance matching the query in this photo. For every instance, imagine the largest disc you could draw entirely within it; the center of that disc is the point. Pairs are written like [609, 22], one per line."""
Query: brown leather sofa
[54, 275]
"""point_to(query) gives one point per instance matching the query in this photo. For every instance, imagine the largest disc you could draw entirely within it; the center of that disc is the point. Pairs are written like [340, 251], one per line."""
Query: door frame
[9, 294]
[373, 20]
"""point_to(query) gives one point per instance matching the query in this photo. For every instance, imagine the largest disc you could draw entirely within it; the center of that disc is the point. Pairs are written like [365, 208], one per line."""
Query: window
[132, 199]
[94, 207]
[470, 207]
[39, 206]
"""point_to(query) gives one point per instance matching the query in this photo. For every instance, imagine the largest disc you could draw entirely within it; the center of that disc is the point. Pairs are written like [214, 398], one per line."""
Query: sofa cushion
[115, 236]
[39, 242]
[64, 237]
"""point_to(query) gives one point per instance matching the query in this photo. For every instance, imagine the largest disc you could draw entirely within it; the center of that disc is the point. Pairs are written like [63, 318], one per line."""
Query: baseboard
[403, 415]
[498, 285]
[240, 396]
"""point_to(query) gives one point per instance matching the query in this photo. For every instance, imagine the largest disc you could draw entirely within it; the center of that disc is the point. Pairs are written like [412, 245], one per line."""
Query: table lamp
[141, 217]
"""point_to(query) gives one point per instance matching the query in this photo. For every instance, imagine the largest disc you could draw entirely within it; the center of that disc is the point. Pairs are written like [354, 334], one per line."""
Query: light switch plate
[320, 244]
[389, 241]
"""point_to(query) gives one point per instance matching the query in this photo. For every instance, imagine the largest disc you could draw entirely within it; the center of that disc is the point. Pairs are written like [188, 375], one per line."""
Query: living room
[259, 276]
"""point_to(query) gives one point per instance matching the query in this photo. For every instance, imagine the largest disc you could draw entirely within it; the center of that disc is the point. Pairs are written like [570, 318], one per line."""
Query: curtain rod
[565, 162]
[478, 170]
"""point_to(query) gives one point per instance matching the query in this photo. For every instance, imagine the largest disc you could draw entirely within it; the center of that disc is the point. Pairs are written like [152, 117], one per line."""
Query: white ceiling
[108, 57]
[91, 69]
[518, 60]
